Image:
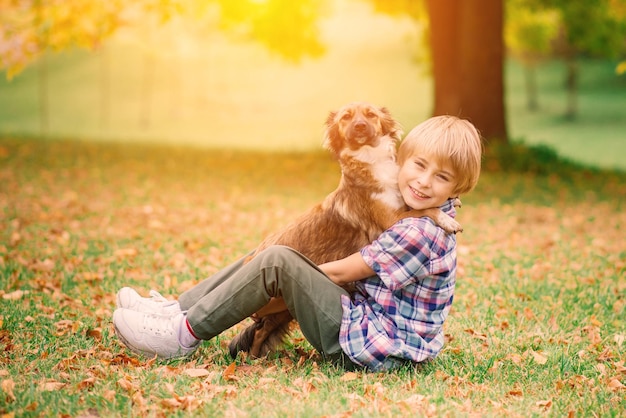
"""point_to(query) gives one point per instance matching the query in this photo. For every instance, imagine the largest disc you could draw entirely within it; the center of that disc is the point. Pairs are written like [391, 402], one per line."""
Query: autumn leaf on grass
[15, 295]
[126, 252]
[544, 404]
[197, 372]
[86, 384]
[52, 385]
[229, 373]
[7, 388]
[539, 358]
[615, 384]
[348, 376]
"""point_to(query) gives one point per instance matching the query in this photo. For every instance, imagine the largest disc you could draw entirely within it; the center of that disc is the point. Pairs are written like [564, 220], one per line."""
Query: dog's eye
[370, 114]
[345, 116]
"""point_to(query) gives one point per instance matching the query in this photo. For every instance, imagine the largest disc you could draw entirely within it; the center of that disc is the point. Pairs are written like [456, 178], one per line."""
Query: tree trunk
[105, 91]
[44, 115]
[530, 78]
[571, 84]
[468, 52]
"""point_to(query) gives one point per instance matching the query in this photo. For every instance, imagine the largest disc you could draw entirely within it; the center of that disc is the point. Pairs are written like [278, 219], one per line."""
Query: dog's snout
[360, 125]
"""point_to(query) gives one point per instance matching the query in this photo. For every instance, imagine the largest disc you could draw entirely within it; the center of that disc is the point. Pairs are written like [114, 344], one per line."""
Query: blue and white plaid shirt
[399, 313]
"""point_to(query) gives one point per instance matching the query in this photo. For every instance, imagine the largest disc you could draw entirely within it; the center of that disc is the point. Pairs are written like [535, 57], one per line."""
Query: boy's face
[425, 182]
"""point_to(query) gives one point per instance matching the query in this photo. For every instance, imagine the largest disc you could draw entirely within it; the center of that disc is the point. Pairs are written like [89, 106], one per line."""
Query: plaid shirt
[399, 313]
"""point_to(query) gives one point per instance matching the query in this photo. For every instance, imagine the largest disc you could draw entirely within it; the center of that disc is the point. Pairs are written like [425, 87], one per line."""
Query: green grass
[536, 328]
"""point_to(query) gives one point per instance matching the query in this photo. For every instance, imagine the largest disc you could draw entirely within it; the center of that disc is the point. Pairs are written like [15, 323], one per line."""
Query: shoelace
[156, 297]
[158, 324]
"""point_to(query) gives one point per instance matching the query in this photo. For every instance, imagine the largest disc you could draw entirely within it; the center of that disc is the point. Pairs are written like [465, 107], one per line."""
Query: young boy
[404, 280]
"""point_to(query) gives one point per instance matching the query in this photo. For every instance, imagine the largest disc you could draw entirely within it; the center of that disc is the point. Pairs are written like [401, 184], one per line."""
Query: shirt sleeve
[402, 253]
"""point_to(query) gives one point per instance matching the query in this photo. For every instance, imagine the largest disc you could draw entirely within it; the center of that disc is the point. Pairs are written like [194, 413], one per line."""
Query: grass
[536, 328]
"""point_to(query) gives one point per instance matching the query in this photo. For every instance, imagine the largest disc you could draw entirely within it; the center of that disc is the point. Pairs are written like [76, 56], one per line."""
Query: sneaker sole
[149, 355]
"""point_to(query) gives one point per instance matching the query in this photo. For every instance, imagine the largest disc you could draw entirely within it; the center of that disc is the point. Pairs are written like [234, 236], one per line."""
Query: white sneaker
[151, 334]
[128, 298]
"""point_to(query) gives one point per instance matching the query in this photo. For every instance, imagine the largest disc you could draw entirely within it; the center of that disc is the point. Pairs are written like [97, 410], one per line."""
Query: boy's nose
[424, 179]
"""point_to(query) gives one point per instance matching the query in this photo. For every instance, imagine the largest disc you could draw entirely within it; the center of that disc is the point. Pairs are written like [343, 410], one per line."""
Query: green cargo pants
[238, 291]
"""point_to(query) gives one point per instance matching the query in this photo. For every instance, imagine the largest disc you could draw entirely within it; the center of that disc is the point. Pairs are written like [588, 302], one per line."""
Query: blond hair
[448, 140]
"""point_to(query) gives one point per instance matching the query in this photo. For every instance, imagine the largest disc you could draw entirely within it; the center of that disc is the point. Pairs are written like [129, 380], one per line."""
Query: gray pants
[238, 291]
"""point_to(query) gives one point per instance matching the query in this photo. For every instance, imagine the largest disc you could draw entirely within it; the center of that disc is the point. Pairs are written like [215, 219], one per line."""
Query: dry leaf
[196, 372]
[348, 376]
[615, 384]
[126, 385]
[126, 252]
[7, 387]
[87, 383]
[52, 385]
[544, 404]
[229, 373]
[538, 357]
[15, 295]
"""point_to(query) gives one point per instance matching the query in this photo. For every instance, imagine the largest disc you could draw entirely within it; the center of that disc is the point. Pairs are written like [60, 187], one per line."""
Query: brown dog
[367, 201]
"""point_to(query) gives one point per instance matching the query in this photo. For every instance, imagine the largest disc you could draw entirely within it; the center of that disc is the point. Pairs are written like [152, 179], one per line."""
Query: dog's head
[359, 124]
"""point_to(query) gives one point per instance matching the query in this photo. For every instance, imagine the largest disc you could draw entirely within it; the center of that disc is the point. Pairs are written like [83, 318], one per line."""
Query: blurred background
[263, 74]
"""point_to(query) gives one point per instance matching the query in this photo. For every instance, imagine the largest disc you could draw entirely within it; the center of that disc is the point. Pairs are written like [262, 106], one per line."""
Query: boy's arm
[347, 270]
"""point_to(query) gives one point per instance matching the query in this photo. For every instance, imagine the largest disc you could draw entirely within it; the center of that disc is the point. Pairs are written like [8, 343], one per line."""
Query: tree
[528, 36]
[467, 52]
[30, 28]
[593, 28]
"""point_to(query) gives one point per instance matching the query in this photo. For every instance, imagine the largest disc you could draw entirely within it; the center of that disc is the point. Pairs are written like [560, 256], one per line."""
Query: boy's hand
[347, 270]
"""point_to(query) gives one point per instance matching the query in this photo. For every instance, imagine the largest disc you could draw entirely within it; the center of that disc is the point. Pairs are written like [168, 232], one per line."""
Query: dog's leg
[275, 305]
[447, 222]
[271, 334]
[263, 336]
[244, 340]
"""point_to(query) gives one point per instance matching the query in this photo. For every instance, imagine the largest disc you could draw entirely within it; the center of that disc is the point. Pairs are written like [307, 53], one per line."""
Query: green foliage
[595, 27]
[531, 159]
[286, 27]
[529, 33]
[30, 28]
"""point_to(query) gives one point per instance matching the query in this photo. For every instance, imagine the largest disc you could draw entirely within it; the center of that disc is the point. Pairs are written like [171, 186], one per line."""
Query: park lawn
[537, 327]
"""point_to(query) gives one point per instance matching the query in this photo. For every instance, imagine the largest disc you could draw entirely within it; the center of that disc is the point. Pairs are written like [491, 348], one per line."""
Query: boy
[404, 280]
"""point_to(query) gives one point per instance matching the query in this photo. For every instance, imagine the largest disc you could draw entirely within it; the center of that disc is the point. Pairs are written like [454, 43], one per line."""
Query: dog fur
[367, 201]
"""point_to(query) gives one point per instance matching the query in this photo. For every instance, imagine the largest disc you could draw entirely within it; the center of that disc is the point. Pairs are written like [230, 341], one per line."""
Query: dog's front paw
[449, 224]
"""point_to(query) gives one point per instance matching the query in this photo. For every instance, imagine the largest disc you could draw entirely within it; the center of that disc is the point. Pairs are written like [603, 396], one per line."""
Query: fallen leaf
[87, 383]
[95, 333]
[349, 376]
[126, 252]
[615, 384]
[197, 372]
[52, 385]
[229, 373]
[15, 295]
[7, 388]
[538, 357]
[544, 404]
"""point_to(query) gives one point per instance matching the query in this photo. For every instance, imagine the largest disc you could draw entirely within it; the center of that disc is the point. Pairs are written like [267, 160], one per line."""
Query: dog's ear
[389, 125]
[332, 139]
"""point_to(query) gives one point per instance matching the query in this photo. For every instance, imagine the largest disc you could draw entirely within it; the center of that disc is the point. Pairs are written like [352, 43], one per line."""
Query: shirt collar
[448, 207]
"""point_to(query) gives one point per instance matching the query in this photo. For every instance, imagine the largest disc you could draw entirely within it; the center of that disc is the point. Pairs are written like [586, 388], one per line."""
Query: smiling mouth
[419, 194]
